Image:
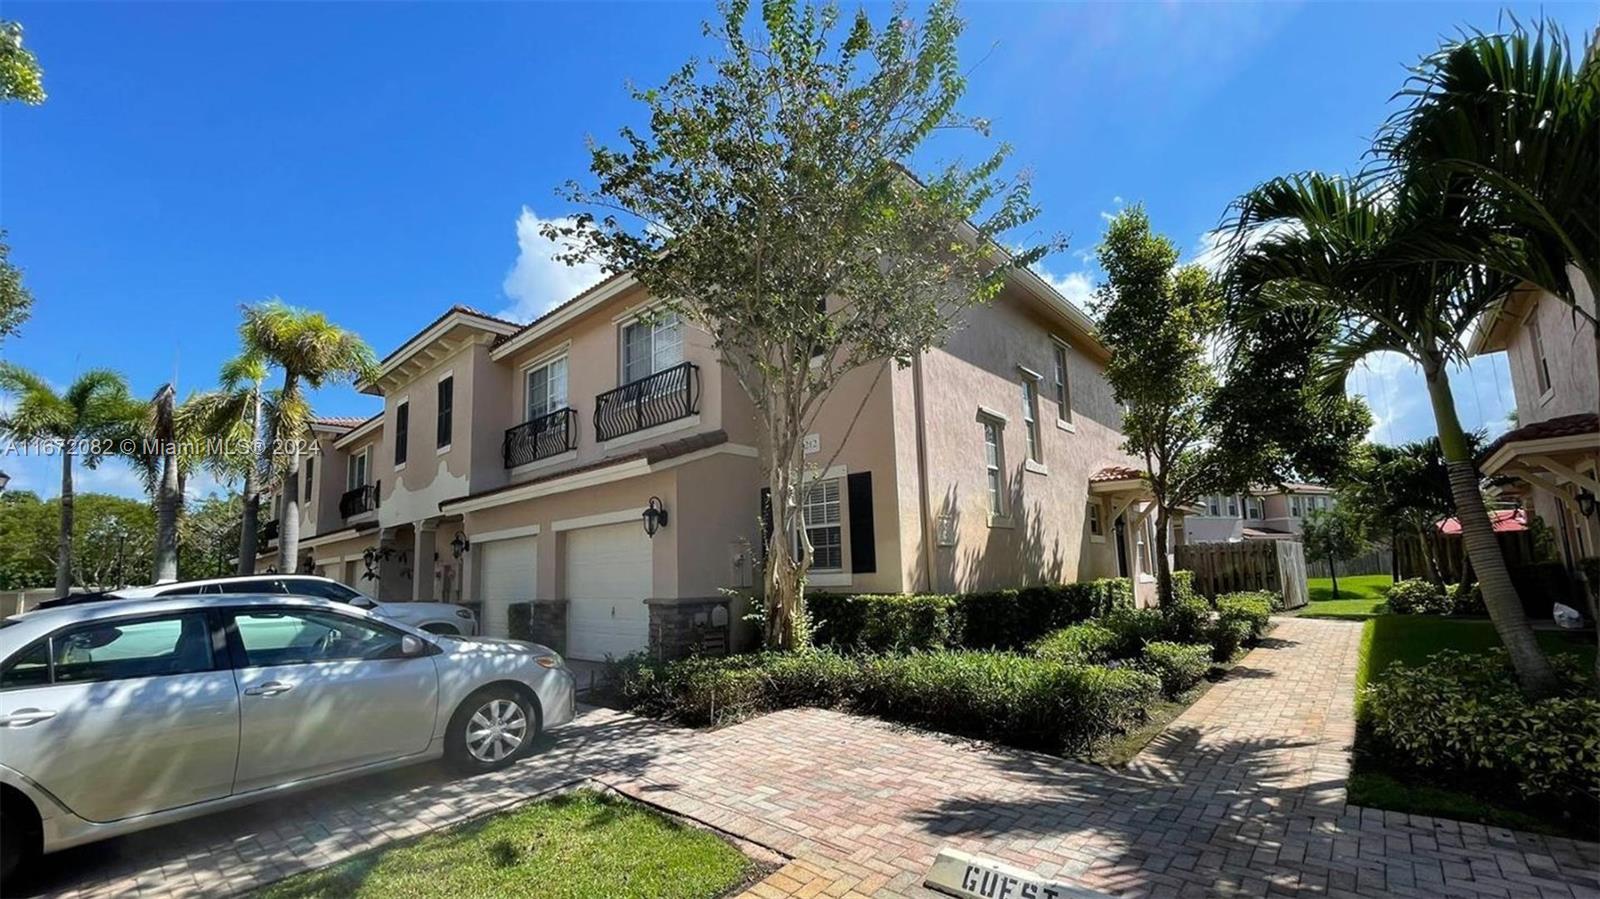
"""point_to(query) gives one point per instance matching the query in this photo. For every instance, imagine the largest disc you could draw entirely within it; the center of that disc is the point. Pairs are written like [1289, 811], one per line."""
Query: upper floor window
[1233, 507]
[1254, 508]
[402, 429]
[1296, 509]
[994, 467]
[547, 388]
[1062, 386]
[1214, 506]
[1030, 415]
[651, 345]
[821, 514]
[356, 468]
[311, 466]
[446, 405]
[1541, 366]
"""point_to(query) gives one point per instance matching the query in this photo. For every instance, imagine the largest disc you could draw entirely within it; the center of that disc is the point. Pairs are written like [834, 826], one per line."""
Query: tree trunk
[1333, 572]
[1163, 566]
[250, 520]
[64, 538]
[784, 577]
[289, 518]
[167, 498]
[1533, 670]
[1425, 546]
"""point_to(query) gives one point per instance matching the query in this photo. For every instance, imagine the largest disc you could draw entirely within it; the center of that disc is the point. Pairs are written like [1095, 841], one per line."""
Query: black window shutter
[402, 424]
[863, 541]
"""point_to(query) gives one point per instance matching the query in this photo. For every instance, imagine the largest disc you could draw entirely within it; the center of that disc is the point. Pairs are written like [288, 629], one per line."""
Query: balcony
[540, 438]
[667, 395]
[362, 499]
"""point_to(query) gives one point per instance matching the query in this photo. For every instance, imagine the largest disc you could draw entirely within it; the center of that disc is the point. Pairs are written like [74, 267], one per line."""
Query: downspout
[924, 507]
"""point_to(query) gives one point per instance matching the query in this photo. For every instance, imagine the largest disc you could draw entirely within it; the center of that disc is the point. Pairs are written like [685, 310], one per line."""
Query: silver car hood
[490, 645]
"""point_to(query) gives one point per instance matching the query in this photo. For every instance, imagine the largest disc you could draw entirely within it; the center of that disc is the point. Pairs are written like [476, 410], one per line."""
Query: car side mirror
[361, 602]
[411, 647]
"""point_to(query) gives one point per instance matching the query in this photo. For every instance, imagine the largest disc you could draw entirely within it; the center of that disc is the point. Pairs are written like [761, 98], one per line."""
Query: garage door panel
[608, 579]
[508, 573]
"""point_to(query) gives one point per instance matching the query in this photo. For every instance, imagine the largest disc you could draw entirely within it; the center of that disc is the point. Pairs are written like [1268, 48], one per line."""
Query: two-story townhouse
[1265, 513]
[518, 464]
[1549, 462]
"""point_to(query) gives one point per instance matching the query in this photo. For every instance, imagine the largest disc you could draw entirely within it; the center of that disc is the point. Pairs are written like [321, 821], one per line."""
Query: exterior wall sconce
[1586, 503]
[655, 516]
[460, 545]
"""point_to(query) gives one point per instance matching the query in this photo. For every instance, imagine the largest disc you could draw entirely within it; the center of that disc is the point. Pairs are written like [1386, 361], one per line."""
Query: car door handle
[270, 688]
[26, 717]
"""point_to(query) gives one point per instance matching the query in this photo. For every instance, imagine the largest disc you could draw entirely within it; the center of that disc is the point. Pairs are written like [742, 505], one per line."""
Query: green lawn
[1360, 597]
[1411, 639]
[578, 845]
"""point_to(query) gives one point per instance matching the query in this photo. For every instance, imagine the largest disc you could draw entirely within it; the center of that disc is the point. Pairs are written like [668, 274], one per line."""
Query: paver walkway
[1242, 795]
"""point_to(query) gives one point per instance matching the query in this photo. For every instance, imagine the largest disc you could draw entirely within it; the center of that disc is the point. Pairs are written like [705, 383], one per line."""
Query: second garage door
[509, 574]
[607, 574]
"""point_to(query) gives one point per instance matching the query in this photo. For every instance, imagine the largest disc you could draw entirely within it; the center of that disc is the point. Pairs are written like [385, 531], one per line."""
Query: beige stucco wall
[429, 476]
[1569, 350]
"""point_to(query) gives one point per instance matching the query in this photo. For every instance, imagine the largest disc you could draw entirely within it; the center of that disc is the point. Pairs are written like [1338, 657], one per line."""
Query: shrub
[1254, 608]
[519, 621]
[885, 622]
[1018, 699]
[1228, 636]
[1134, 628]
[1187, 619]
[1079, 643]
[1416, 596]
[1178, 665]
[1467, 600]
[1183, 585]
[719, 690]
[1462, 717]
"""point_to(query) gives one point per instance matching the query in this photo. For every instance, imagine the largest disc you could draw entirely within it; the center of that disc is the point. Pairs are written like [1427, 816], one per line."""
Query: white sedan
[119, 715]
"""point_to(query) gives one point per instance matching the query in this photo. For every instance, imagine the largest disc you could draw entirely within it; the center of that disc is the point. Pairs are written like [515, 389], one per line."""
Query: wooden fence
[1517, 547]
[1275, 565]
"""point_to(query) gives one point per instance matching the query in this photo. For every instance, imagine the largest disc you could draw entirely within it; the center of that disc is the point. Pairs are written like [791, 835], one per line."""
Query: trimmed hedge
[1253, 608]
[1178, 665]
[1462, 717]
[1000, 619]
[1417, 596]
[1083, 643]
[1016, 699]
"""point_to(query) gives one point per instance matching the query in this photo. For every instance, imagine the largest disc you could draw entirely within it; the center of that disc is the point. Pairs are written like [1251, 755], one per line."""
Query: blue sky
[380, 161]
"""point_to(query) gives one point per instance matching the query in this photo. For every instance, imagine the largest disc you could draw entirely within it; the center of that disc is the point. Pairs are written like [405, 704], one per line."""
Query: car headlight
[549, 660]
[464, 613]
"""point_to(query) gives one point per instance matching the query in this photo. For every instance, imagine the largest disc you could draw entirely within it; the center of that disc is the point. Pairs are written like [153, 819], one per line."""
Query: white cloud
[1398, 397]
[538, 281]
[1075, 286]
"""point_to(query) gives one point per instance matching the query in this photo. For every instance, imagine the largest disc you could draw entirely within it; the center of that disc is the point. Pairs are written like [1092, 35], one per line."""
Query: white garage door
[507, 575]
[608, 578]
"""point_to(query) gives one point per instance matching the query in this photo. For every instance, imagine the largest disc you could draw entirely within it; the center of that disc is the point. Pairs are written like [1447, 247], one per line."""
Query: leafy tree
[1344, 248]
[235, 415]
[111, 540]
[21, 78]
[1333, 535]
[79, 422]
[1404, 489]
[1512, 120]
[1157, 318]
[208, 535]
[770, 204]
[16, 302]
[311, 351]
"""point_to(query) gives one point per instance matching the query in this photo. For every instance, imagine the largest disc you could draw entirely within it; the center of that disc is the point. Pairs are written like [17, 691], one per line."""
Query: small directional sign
[974, 877]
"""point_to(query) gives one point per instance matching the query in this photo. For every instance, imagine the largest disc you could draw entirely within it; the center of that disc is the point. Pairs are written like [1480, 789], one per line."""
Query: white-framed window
[820, 514]
[994, 466]
[1030, 416]
[546, 388]
[1296, 508]
[1541, 365]
[1233, 506]
[1143, 538]
[1214, 506]
[1254, 508]
[1063, 386]
[1097, 523]
[650, 345]
[357, 467]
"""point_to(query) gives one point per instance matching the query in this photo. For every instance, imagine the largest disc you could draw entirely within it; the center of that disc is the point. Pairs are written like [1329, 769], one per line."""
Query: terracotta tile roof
[1505, 521]
[1560, 426]
[464, 310]
[337, 421]
[1115, 473]
[652, 454]
[558, 307]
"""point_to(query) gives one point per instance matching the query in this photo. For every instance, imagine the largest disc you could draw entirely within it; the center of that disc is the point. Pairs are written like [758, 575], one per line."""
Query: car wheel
[18, 843]
[492, 728]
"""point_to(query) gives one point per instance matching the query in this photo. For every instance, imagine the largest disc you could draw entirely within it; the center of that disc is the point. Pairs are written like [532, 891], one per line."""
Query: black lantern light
[1585, 503]
[655, 516]
[460, 545]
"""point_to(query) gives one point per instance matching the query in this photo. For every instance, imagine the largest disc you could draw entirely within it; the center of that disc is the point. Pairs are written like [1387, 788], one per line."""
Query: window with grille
[821, 517]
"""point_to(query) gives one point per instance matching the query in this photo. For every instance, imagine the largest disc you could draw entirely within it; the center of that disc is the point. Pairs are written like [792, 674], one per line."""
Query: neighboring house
[1550, 461]
[513, 464]
[1266, 513]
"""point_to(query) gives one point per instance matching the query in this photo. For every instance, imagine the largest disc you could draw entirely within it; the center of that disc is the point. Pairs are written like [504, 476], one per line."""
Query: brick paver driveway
[1242, 795]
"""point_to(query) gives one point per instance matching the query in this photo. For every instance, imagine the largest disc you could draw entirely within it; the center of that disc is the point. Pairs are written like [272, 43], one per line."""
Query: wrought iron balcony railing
[540, 438]
[667, 395]
[362, 499]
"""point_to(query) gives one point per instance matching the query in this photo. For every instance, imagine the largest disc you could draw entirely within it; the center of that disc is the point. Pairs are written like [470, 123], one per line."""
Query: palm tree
[311, 351]
[1515, 117]
[233, 417]
[1343, 246]
[79, 421]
